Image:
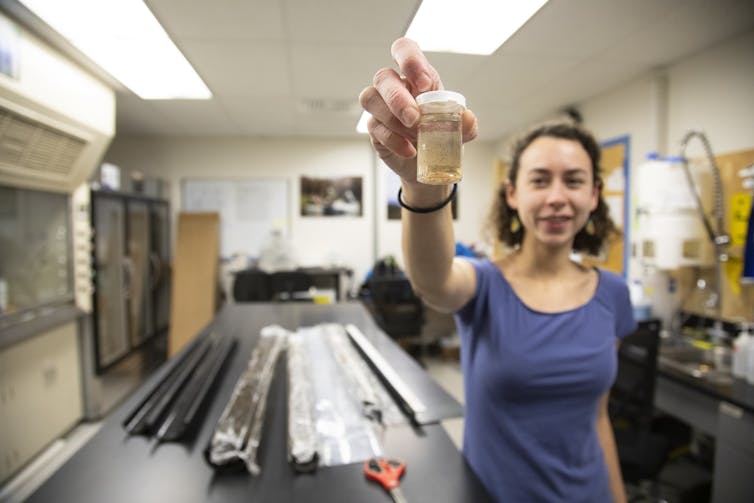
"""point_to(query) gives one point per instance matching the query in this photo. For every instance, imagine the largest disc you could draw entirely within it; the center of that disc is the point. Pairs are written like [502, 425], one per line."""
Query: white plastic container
[741, 353]
[750, 362]
[670, 233]
[3, 295]
[672, 239]
[641, 305]
[439, 142]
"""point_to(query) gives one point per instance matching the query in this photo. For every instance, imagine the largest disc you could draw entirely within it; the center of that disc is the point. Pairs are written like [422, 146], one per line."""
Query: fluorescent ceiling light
[361, 127]
[471, 26]
[125, 39]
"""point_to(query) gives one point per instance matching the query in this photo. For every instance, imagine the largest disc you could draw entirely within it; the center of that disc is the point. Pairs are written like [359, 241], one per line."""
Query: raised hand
[395, 114]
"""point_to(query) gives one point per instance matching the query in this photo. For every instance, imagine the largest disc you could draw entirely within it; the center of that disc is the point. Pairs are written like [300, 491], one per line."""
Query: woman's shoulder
[610, 279]
[489, 273]
[481, 264]
[504, 264]
[615, 296]
[612, 286]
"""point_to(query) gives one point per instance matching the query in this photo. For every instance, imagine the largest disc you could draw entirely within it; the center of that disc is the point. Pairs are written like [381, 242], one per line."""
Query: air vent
[31, 145]
[320, 105]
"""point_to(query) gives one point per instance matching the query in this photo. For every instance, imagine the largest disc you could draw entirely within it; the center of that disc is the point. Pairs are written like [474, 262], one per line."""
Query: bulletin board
[194, 277]
[500, 174]
[738, 299]
[249, 208]
[615, 179]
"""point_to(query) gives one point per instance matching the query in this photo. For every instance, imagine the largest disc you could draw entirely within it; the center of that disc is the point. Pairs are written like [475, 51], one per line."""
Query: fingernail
[409, 117]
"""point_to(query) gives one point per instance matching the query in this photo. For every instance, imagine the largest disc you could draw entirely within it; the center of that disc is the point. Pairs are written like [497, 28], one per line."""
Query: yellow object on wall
[740, 207]
[738, 299]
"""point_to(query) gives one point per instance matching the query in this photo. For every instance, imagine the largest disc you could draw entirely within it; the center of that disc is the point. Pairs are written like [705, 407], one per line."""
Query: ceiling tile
[135, 116]
[229, 67]
[197, 117]
[335, 70]
[577, 28]
[684, 32]
[295, 67]
[455, 69]
[220, 19]
[324, 125]
[506, 78]
[260, 116]
[348, 21]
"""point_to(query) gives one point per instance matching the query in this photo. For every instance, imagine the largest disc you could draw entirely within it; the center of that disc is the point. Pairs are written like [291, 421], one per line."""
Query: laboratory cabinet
[131, 272]
[727, 414]
[40, 394]
[734, 456]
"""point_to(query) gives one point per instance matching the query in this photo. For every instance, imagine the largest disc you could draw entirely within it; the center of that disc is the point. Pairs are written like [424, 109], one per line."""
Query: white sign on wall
[249, 209]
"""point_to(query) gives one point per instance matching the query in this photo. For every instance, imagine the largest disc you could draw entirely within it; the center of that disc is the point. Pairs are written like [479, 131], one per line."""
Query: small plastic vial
[439, 143]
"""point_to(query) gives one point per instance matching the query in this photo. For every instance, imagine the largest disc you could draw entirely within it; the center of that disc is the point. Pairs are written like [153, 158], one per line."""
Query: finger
[421, 75]
[395, 143]
[469, 125]
[396, 95]
[372, 102]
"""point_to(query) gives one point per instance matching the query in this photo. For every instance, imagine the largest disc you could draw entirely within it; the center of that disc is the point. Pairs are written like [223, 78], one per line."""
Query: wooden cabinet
[40, 394]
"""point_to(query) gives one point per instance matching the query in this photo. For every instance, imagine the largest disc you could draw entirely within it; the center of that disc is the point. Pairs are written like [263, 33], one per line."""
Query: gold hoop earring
[589, 228]
[515, 224]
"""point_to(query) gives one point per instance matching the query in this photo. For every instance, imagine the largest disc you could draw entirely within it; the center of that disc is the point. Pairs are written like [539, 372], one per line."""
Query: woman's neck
[533, 259]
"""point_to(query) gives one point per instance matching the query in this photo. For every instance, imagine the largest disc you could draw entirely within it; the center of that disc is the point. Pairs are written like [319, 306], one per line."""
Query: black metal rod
[186, 406]
[157, 406]
[222, 356]
[396, 386]
[132, 421]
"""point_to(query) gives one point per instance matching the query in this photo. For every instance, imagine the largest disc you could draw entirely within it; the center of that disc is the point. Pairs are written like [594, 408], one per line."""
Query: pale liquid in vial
[439, 157]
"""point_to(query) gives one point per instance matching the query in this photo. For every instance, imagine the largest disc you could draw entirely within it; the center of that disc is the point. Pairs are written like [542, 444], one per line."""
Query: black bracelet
[427, 210]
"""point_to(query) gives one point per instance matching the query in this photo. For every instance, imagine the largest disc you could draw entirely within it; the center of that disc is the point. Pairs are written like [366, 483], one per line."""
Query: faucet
[718, 237]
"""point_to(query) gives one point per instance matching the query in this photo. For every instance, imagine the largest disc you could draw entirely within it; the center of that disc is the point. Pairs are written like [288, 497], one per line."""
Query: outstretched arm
[444, 282]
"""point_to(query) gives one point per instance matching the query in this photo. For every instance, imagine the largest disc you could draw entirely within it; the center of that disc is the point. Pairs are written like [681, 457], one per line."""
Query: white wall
[712, 90]
[475, 196]
[354, 242]
[316, 240]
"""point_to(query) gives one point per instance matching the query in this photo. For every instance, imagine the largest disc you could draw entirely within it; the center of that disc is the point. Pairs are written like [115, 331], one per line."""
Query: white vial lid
[440, 96]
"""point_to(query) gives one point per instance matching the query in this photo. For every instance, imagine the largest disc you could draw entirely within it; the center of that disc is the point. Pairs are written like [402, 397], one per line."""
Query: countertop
[116, 467]
[738, 391]
[17, 327]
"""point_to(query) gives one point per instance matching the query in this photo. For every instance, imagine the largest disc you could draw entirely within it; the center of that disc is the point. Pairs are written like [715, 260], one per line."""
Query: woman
[538, 331]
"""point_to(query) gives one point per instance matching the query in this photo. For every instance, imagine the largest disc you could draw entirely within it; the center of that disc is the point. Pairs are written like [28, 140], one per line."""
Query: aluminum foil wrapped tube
[358, 381]
[302, 437]
[238, 432]
[349, 405]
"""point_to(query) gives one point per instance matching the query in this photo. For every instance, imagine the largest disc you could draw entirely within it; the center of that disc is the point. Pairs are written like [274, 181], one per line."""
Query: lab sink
[711, 365]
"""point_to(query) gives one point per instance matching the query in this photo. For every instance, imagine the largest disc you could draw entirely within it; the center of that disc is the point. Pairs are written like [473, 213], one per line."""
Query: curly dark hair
[501, 215]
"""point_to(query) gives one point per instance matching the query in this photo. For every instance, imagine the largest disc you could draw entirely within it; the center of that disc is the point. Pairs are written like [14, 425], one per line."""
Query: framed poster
[331, 197]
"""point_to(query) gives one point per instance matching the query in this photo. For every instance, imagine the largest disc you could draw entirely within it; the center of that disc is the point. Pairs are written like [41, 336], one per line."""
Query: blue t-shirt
[532, 386]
